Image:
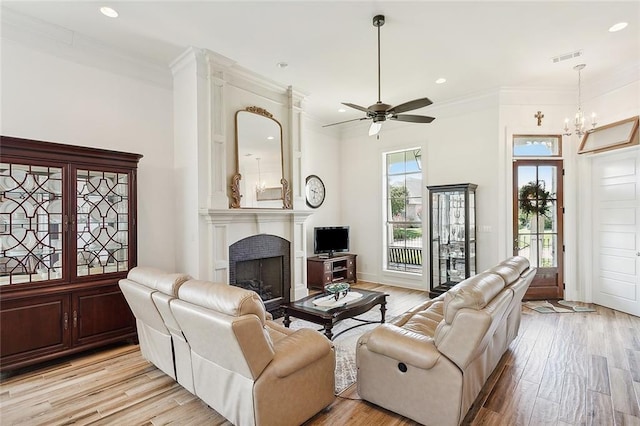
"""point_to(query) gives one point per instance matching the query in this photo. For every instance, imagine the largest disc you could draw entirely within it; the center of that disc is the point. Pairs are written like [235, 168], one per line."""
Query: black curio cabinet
[452, 230]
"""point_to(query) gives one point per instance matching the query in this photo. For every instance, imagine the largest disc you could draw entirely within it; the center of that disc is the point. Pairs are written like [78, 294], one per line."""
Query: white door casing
[616, 225]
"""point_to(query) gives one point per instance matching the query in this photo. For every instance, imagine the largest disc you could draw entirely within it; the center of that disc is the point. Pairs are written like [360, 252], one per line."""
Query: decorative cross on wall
[539, 115]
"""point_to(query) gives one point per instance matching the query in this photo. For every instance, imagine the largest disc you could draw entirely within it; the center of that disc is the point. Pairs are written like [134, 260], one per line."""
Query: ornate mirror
[259, 181]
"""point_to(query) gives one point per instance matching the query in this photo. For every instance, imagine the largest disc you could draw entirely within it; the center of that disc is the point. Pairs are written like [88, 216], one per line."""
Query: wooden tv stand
[323, 270]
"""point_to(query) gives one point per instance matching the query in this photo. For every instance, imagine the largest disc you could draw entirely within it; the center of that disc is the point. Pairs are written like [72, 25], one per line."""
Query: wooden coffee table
[306, 310]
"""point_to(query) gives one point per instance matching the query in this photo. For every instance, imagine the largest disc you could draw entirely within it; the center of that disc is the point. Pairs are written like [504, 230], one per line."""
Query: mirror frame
[236, 195]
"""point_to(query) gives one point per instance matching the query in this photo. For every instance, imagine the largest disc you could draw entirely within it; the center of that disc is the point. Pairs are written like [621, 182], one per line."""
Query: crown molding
[79, 48]
[621, 77]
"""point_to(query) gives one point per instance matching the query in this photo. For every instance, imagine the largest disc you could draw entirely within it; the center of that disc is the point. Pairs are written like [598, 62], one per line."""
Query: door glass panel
[547, 179]
[102, 222]
[31, 228]
[547, 249]
[537, 203]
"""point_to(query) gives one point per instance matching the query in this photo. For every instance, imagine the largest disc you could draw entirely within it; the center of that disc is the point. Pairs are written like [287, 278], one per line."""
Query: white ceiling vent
[567, 56]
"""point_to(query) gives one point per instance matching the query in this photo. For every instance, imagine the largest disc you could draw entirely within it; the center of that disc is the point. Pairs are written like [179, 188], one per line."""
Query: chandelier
[260, 185]
[579, 120]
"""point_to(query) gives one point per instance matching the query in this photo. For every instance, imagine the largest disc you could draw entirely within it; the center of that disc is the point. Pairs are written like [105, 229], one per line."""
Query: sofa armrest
[298, 350]
[406, 346]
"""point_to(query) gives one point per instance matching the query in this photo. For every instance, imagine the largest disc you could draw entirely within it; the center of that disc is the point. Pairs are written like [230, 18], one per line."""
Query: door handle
[75, 319]
[66, 321]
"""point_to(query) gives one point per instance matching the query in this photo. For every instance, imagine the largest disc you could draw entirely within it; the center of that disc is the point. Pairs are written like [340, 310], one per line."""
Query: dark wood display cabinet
[452, 229]
[67, 236]
[322, 270]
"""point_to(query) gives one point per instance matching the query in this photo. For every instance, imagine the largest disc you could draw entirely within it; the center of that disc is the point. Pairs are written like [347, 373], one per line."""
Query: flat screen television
[330, 239]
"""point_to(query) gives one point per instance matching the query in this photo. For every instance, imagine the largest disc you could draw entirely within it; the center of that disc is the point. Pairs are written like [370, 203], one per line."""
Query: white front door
[616, 226]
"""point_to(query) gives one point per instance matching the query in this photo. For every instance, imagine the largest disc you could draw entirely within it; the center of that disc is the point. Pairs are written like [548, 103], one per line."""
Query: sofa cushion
[170, 283]
[223, 298]
[474, 292]
[509, 273]
[146, 276]
[426, 321]
[521, 263]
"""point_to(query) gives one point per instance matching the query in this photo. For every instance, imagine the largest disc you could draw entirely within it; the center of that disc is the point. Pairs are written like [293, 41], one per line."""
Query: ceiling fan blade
[346, 121]
[411, 105]
[412, 118]
[358, 107]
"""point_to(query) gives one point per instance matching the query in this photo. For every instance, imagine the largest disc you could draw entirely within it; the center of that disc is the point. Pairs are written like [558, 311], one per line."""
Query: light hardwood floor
[563, 369]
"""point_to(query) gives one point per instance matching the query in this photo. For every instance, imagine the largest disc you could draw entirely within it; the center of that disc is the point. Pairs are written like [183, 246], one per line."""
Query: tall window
[403, 221]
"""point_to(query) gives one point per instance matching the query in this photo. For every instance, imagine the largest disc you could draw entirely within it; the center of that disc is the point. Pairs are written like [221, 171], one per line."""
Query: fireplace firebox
[261, 263]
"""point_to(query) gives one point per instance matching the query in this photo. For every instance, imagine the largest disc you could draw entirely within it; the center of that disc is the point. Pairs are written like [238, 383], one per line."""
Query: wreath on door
[534, 199]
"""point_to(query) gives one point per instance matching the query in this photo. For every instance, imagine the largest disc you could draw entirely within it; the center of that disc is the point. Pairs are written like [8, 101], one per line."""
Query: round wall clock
[315, 192]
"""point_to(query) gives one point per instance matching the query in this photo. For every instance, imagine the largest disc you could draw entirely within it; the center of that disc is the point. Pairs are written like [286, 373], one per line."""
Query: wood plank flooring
[563, 369]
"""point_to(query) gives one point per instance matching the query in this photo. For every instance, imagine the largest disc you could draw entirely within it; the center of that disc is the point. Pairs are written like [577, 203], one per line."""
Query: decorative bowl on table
[338, 290]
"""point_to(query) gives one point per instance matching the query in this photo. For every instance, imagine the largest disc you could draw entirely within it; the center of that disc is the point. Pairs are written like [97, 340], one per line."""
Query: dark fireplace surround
[262, 263]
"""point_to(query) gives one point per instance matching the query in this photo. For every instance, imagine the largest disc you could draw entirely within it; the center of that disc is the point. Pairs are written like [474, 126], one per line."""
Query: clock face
[315, 191]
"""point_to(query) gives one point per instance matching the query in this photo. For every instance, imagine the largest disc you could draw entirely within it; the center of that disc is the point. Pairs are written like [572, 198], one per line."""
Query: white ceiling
[330, 46]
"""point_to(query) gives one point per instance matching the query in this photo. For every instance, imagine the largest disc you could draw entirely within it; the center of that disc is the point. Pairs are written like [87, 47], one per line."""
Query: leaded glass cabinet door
[453, 235]
[102, 222]
[31, 223]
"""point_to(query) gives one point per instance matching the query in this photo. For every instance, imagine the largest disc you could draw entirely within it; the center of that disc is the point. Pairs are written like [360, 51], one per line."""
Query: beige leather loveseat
[430, 363]
[248, 368]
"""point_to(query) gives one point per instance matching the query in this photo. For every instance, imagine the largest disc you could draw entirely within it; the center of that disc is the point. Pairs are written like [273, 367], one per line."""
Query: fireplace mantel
[254, 215]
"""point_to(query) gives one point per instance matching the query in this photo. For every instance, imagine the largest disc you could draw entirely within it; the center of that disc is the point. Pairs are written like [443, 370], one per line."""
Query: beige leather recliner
[430, 363]
[148, 292]
[249, 369]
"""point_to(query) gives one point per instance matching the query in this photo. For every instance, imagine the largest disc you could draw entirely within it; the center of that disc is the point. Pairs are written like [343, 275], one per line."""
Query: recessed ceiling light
[617, 27]
[270, 138]
[342, 110]
[441, 80]
[107, 11]
[282, 64]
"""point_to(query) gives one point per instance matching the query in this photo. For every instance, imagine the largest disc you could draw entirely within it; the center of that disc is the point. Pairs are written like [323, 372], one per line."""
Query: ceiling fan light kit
[380, 112]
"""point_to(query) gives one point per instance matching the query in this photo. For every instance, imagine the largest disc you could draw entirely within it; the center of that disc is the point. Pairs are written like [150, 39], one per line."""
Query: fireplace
[262, 263]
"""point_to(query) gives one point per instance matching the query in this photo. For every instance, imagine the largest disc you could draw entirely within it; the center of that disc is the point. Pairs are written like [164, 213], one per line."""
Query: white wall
[323, 158]
[48, 98]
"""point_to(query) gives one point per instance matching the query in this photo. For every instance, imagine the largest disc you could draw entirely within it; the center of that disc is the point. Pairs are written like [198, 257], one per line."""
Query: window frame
[388, 223]
[532, 136]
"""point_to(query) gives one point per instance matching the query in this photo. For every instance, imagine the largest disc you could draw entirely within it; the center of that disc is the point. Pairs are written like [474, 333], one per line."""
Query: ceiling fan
[380, 112]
